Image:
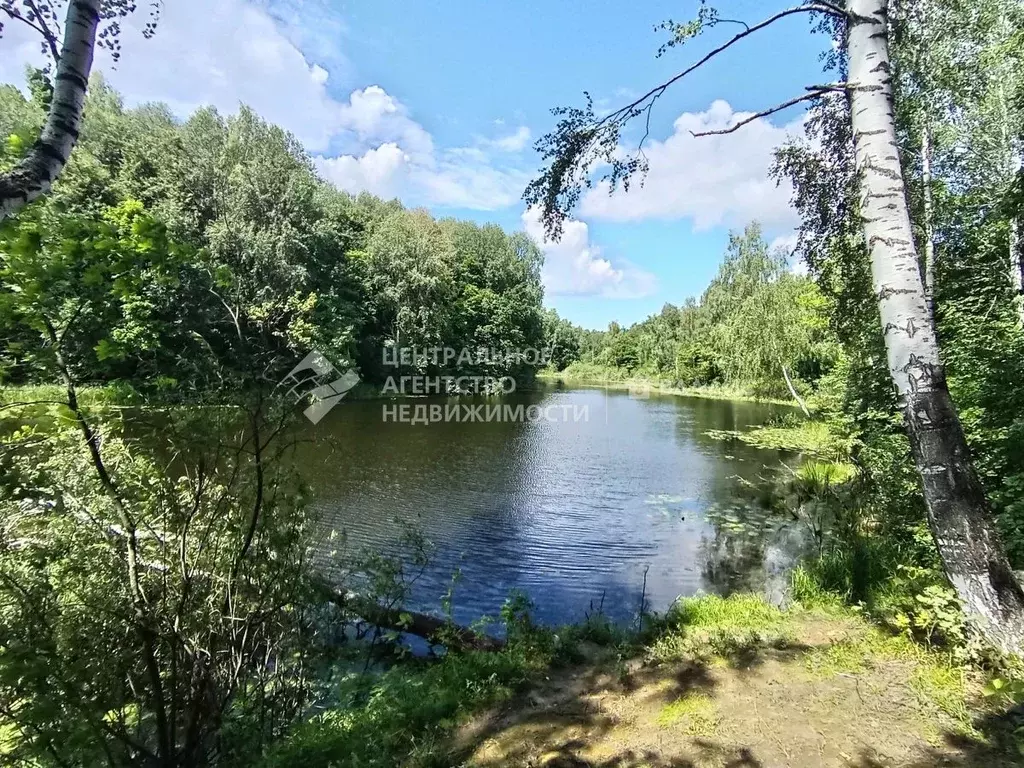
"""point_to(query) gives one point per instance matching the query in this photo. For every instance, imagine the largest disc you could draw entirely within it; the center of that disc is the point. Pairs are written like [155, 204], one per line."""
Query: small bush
[406, 711]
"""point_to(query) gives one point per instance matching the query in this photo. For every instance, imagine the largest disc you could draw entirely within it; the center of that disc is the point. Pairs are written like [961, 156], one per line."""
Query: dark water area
[572, 512]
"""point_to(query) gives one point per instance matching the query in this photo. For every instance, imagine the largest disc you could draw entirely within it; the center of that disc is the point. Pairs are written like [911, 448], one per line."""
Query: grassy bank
[122, 394]
[579, 373]
[43, 394]
[118, 394]
[714, 682]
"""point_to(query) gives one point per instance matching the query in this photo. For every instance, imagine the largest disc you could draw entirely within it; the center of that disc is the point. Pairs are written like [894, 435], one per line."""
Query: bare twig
[837, 87]
[758, 115]
[39, 26]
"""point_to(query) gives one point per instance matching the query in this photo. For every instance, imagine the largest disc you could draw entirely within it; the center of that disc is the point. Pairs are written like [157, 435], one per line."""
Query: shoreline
[112, 395]
[705, 393]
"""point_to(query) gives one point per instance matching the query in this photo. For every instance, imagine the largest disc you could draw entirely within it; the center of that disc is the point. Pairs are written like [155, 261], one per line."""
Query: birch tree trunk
[793, 392]
[1013, 165]
[929, 230]
[1017, 267]
[958, 513]
[36, 172]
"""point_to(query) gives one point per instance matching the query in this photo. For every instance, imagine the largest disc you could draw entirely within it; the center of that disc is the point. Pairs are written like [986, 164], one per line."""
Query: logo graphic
[312, 379]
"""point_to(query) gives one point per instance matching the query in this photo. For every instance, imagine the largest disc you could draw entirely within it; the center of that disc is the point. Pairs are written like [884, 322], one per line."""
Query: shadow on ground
[754, 707]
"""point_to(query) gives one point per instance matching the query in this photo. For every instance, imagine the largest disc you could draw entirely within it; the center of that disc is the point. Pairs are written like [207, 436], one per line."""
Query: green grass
[30, 394]
[938, 682]
[698, 710]
[734, 612]
[713, 629]
[806, 589]
[405, 716]
[860, 652]
[944, 686]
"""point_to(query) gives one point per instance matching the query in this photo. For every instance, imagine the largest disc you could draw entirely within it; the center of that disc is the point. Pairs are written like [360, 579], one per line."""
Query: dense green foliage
[754, 319]
[157, 604]
[173, 255]
[143, 614]
[959, 119]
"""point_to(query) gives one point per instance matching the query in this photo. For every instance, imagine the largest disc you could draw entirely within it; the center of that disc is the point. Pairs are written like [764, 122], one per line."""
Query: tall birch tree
[959, 516]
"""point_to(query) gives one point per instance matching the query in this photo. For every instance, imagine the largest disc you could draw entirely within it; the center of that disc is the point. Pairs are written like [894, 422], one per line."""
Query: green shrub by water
[406, 711]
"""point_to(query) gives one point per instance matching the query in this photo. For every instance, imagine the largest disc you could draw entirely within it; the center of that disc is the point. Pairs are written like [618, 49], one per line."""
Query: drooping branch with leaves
[582, 140]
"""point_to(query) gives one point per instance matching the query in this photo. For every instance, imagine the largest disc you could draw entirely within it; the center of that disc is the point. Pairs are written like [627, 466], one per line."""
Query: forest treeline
[168, 251]
[758, 327]
[158, 605]
[171, 255]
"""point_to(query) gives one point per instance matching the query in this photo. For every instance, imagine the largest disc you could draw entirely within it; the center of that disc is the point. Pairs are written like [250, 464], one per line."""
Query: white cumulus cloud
[711, 180]
[392, 155]
[373, 116]
[514, 142]
[206, 52]
[574, 266]
[787, 244]
[378, 170]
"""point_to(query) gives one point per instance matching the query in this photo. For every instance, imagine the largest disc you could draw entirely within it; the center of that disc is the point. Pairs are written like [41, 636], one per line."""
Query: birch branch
[759, 115]
[657, 91]
[35, 173]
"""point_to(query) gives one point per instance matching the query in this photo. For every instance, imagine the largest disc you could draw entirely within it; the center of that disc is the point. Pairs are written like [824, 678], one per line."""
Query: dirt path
[843, 695]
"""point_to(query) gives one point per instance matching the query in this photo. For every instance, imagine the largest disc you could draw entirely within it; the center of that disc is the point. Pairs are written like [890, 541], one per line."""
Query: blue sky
[439, 102]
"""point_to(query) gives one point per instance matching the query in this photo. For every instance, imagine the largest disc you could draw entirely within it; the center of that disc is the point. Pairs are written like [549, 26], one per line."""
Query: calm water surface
[571, 513]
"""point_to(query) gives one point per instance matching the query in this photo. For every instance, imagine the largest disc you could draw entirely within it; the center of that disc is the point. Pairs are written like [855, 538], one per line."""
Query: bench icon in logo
[312, 379]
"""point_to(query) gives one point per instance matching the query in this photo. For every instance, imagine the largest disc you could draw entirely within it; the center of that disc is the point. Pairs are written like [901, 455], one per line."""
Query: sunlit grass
[405, 712]
[935, 679]
[807, 590]
[734, 612]
[30, 394]
[944, 686]
[697, 710]
[713, 628]
[811, 437]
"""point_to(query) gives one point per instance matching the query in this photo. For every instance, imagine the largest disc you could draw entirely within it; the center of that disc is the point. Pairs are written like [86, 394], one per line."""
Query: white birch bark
[929, 229]
[958, 515]
[1017, 267]
[36, 172]
[793, 392]
[1012, 167]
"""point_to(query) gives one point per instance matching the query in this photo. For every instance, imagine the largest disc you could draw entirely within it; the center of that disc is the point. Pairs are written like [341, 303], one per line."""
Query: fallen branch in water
[455, 636]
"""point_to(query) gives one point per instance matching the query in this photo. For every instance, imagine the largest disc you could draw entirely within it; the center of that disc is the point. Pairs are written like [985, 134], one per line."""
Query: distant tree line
[757, 326]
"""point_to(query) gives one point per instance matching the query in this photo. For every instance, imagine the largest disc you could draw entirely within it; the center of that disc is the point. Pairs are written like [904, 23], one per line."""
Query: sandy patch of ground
[779, 704]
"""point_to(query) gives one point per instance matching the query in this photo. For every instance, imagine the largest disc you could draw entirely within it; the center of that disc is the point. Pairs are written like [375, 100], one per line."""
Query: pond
[572, 511]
